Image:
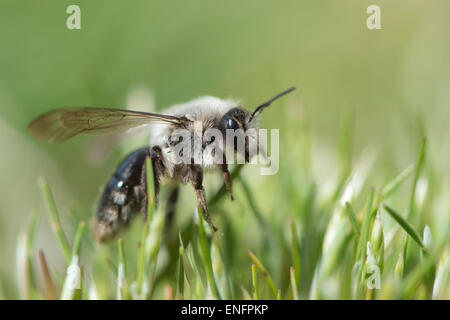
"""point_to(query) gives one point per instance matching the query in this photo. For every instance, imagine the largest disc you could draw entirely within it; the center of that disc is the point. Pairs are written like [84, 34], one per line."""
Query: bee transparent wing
[62, 124]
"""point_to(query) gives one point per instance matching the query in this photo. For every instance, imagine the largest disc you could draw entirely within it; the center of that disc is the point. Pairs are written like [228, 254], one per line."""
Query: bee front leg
[227, 178]
[197, 183]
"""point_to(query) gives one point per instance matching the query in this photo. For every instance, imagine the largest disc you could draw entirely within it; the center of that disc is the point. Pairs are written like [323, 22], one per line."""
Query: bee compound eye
[231, 124]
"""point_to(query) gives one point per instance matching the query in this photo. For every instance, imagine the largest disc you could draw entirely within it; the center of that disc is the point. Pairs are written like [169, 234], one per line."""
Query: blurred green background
[395, 82]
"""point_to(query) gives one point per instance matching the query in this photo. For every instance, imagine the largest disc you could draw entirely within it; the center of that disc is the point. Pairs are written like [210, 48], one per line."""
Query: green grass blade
[77, 239]
[295, 252]
[141, 257]
[180, 282]
[418, 275]
[26, 280]
[264, 272]
[255, 283]
[23, 268]
[152, 246]
[123, 291]
[293, 284]
[78, 294]
[417, 172]
[141, 263]
[251, 202]
[206, 255]
[377, 240]
[399, 266]
[365, 228]
[73, 282]
[390, 188]
[122, 259]
[32, 228]
[405, 225]
[442, 276]
[352, 217]
[49, 202]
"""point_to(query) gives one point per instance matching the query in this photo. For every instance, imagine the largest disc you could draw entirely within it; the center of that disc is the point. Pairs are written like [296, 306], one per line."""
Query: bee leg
[197, 183]
[247, 151]
[227, 177]
[170, 209]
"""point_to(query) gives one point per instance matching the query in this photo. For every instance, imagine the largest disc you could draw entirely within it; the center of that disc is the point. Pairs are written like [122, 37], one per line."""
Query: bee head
[238, 118]
[234, 119]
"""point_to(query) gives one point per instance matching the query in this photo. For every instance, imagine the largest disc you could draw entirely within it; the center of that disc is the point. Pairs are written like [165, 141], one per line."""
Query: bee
[125, 194]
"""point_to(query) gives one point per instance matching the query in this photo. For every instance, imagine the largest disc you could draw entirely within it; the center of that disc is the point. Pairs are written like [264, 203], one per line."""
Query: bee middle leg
[196, 178]
[227, 178]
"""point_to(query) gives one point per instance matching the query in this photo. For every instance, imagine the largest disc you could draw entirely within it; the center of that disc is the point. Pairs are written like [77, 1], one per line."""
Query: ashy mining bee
[125, 193]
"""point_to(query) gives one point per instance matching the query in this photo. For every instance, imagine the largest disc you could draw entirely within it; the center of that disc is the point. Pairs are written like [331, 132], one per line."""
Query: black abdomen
[123, 196]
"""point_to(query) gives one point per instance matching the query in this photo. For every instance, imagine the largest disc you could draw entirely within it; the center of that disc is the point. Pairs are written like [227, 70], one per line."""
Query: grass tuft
[326, 249]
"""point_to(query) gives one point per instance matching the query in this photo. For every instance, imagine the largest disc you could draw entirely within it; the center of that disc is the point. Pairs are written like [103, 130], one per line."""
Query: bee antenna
[261, 107]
